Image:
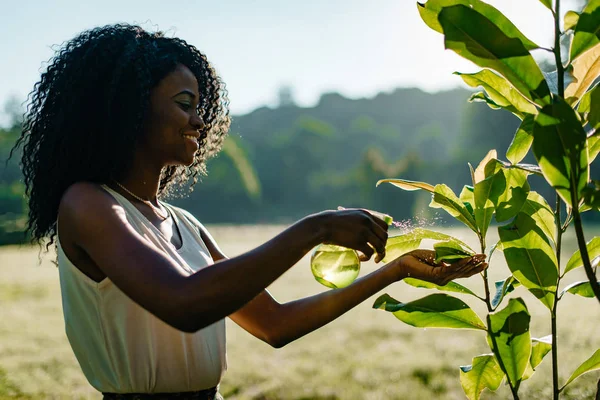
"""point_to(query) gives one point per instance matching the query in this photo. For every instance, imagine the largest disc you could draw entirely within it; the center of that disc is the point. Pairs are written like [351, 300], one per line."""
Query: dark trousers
[207, 394]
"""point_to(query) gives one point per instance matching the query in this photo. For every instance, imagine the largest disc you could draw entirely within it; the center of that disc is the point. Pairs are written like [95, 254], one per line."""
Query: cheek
[164, 124]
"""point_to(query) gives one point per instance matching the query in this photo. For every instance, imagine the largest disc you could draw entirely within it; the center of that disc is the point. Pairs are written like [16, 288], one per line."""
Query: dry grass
[365, 354]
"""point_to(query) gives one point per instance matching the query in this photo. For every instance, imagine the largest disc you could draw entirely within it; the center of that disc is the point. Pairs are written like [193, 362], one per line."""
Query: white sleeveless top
[121, 347]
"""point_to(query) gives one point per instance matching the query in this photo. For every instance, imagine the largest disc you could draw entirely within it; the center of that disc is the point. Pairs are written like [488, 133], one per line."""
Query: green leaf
[530, 257]
[484, 98]
[430, 13]
[483, 373]
[399, 245]
[472, 171]
[539, 349]
[509, 329]
[480, 171]
[503, 193]
[560, 146]
[531, 168]
[434, 311]
[467, 196]
[593, 146]
[587, 31]
[407, 185]
[334, 266]
[500, 91]
[547, 3]
[450, 287]
[571, 19]
[509, 192]
[589, 108]
[480, 33]
[539, 210]
[585, 71]
[522, 141]
[402, 244]
[591, 196]
[496, 246]
[583, 289]
[449, 252]
[591, 364]
[484, 208]
[444, 198]
[503, 288]
[593, 248]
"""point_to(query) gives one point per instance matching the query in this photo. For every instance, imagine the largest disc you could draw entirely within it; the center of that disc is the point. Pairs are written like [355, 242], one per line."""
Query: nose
[197, 122]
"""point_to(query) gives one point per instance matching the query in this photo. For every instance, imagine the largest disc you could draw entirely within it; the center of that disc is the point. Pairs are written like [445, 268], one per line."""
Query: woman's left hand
[420, 264]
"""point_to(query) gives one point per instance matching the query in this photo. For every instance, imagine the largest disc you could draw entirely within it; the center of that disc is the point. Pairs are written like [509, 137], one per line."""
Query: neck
[142, 180]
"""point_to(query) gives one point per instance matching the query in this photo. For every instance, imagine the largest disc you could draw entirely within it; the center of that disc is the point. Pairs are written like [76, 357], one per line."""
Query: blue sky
[355, 47]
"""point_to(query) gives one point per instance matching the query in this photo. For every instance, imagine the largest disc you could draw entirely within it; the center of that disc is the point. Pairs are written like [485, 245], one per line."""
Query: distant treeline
[311, 159]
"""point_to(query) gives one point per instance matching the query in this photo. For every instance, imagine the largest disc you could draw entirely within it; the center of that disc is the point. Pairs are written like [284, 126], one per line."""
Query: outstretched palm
[421, 264]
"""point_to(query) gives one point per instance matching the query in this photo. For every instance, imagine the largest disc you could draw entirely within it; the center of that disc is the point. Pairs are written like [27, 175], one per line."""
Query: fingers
[377, 244]
[365, 252]
[368, 234]
[475, 265]
[376, 237]
[472, 270]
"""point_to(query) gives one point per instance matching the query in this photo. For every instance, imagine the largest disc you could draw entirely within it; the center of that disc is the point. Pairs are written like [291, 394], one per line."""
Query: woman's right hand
[355, 229]
[420, 264]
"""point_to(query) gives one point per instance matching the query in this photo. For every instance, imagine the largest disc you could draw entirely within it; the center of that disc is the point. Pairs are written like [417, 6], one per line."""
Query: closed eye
[184, 106]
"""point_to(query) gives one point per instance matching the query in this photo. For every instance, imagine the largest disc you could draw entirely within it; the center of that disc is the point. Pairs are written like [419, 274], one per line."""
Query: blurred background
[327, 98]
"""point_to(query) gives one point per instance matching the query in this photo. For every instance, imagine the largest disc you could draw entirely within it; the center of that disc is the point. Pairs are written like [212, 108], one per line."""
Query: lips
[194, 136]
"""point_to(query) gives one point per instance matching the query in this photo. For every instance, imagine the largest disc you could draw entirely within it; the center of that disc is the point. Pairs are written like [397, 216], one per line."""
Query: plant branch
[568, 220]
[559, 228]
[557, 56]
[559, 233]
[585, 257]
[486, 285]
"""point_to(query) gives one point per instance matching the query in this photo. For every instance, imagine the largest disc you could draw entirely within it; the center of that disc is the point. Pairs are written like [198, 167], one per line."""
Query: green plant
[561, 126]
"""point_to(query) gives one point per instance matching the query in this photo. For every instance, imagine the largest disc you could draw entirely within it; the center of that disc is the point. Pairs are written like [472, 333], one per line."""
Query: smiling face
[173, 125]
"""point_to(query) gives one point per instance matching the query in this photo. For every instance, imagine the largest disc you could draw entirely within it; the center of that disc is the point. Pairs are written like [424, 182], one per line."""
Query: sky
[355, 47]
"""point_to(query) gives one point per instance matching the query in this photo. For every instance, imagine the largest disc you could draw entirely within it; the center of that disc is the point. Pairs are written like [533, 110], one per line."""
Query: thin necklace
[152, 206]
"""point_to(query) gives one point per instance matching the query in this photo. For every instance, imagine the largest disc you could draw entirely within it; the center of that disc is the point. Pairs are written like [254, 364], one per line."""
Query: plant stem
[486, 285]
[555, 387]
[585, 257]
[559, 232]
[557, 56]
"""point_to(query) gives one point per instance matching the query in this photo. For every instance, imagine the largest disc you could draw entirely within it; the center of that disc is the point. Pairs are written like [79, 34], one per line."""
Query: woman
[121, 118]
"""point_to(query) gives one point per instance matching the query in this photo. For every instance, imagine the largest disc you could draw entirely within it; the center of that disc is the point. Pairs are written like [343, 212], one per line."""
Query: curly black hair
[78, 125]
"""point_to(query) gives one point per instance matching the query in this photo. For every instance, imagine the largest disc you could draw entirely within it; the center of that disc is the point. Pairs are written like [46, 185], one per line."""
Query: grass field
[365, 354]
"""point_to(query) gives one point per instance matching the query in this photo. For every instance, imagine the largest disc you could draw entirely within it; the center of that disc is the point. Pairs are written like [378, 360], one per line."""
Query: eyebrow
[192, 94]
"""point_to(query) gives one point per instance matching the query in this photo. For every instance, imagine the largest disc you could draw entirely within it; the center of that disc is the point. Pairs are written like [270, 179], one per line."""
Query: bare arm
[192, 302]
[279, 324]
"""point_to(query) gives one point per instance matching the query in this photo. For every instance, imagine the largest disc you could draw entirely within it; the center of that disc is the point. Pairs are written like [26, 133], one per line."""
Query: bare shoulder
[83, 196]
[85, 205]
